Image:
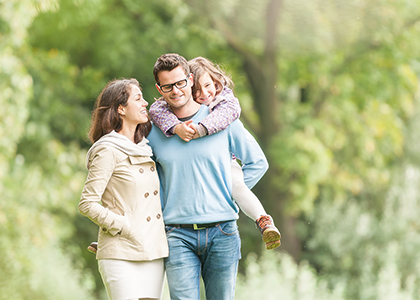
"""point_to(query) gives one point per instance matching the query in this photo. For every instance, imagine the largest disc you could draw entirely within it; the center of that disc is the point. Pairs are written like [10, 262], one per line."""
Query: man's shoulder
[238, 132]
[154, 128]
[236, 125]
[154, 133]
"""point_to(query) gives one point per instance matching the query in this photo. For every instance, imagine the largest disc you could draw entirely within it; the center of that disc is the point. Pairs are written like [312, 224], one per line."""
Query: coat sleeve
[163, 117]
[102, 164]
[244, 146]
[224, 110]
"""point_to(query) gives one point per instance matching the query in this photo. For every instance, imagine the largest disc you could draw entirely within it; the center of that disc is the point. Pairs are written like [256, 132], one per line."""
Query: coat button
[158, 216]
[141, 170]
[152, 169]
[103, 229]
[155, 192]
[148, 219]
[146, 195]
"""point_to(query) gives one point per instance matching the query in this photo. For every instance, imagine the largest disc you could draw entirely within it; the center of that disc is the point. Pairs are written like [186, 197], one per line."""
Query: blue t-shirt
[195, 176]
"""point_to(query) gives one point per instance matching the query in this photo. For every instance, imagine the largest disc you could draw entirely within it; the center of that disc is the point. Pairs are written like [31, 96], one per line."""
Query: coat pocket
[126, 229]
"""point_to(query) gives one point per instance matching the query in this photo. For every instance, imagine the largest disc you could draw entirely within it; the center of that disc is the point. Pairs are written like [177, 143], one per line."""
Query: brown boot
[270, 234]
[93, 247]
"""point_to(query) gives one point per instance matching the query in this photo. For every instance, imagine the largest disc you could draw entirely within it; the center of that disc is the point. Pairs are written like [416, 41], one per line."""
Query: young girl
[211, 87]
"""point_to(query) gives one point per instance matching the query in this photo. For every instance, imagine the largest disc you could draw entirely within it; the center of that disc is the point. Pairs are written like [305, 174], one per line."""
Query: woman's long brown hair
[105, 117]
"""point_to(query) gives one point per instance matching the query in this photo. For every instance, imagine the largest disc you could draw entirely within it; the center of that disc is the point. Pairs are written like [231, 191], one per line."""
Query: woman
[122, 195]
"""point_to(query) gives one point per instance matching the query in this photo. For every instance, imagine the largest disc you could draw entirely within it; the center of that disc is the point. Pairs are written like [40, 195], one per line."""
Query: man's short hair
[168, 62]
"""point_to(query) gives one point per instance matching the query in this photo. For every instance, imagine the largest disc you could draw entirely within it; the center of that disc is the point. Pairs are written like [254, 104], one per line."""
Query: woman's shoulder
[103, 149]
[108, 151]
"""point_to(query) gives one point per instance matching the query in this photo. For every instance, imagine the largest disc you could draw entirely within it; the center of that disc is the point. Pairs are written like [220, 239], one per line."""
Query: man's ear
[191, 79]
[158, 88]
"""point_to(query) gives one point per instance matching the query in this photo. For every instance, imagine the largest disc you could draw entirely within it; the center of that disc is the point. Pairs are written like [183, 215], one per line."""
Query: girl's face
[135, 112]
[207, 90]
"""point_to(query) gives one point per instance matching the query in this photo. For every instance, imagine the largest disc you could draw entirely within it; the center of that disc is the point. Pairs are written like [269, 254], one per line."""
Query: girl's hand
[194, 127]
[185, 131]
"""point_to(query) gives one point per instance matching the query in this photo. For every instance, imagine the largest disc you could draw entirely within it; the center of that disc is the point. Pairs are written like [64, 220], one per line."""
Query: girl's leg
[252, 207]
[246, 199]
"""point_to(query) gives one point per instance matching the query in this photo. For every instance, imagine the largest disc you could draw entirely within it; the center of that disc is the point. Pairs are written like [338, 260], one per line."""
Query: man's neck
[191, 108]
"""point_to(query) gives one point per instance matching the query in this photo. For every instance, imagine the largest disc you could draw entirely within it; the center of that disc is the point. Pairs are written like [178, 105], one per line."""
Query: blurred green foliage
[329, 88]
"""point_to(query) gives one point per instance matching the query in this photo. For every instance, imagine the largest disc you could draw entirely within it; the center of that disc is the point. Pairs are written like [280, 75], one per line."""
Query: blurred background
[329, 88]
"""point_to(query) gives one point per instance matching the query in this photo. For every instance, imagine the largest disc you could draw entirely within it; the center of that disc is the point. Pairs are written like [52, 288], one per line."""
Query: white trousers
[125, 280]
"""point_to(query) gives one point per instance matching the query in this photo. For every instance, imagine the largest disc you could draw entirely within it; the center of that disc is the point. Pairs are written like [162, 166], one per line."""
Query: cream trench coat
[130, 216]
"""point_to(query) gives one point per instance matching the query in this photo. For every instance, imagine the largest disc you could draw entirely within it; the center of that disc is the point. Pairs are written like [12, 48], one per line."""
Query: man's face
[179, 95]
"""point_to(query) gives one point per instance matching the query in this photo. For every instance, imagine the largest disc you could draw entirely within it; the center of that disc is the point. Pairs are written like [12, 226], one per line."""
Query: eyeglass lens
[179, 84]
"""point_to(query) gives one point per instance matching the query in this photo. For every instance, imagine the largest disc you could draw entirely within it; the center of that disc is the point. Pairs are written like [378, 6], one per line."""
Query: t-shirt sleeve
[244, 146]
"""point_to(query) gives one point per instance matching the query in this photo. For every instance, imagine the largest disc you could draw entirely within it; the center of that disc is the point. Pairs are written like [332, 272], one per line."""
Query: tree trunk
[263, 77]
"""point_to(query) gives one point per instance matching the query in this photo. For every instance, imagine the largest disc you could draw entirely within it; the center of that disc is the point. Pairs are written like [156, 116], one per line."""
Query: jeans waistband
[195, 226]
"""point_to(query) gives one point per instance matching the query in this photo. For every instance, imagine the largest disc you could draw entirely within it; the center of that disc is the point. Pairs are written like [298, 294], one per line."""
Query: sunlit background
[329, 88]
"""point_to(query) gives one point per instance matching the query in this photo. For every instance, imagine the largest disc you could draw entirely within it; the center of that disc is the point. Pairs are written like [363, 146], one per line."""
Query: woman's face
[135, 112]
[207, 90]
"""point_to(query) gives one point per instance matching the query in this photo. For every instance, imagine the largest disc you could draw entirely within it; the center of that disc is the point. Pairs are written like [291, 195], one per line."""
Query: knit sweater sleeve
[247, 150]
[163, 117]
[224, 110]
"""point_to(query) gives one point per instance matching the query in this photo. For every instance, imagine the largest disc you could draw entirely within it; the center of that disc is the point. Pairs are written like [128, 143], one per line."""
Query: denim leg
[183, 265]
[214, 252]
[220, 261]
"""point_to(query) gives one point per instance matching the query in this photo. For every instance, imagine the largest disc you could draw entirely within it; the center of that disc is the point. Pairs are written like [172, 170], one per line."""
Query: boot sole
[272, 245]
[271, 235]
[271, 238]
[92, 249]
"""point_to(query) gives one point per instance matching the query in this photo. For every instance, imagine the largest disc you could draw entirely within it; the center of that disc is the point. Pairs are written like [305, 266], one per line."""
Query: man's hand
[186, 130]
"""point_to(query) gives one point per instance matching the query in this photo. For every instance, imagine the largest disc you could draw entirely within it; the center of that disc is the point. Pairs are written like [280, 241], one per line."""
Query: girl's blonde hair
[200, 65]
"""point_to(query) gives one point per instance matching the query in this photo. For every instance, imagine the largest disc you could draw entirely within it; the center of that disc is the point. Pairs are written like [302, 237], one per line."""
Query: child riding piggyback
[212, 88]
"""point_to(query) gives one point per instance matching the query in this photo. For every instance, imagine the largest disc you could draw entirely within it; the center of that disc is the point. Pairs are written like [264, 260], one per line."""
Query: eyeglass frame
[174, 84]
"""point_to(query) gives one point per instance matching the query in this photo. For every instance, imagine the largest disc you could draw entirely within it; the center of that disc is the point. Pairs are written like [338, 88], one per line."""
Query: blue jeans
[212, 253]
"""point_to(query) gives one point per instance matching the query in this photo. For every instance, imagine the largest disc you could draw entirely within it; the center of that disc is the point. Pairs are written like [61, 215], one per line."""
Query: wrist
[174, 129]
[202, 130]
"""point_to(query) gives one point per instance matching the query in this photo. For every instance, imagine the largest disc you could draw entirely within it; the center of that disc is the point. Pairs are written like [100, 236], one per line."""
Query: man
[197, 205]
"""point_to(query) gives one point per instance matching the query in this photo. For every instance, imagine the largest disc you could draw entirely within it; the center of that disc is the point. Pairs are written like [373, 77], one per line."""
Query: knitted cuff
[171, 131]
[202, 131]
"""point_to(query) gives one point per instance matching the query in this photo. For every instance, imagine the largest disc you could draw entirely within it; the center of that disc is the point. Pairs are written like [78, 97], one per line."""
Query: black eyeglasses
[166, 88]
